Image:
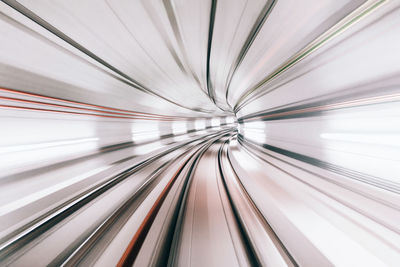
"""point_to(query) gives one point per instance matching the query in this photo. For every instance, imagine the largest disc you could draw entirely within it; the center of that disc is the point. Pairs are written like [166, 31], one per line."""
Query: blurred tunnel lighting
[19, 148]
[230, 120]
[215, 122]
[200, 133]
[144, 132]
[179, 127]
[200, 124]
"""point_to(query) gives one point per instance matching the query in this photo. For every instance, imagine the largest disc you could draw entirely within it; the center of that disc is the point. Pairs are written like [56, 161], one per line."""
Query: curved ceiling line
[133, 83]
[344, 24]
[262, 17]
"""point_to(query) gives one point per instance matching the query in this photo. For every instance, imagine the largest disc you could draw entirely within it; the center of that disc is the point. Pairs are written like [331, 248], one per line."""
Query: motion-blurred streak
[314, 45]
[199, 133]
[109, 112]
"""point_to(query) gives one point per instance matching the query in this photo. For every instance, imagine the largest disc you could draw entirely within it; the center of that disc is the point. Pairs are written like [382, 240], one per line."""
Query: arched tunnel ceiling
[189, 53]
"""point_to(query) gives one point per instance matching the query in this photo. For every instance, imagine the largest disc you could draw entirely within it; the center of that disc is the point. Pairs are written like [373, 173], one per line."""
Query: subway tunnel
[200, 133]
